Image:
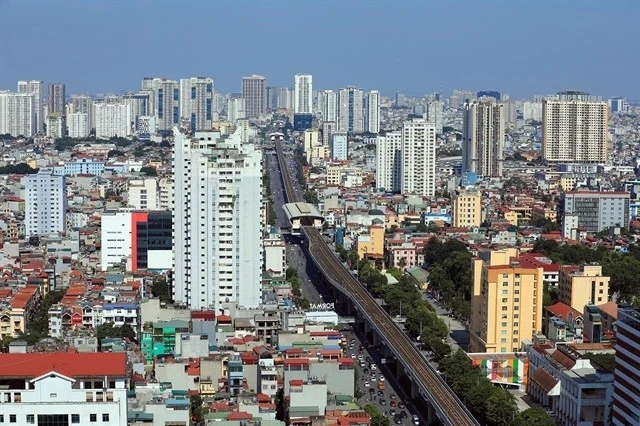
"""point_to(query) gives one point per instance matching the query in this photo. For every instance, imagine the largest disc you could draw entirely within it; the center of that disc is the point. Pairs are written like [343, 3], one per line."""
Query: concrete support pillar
[431, 414]
[399, 370]
[415, 390]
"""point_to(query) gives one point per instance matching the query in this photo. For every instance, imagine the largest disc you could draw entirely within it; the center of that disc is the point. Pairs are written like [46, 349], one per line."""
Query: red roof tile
[562, 311]
[239, 416]
[544, 379]
[563, 359]
[33, 365]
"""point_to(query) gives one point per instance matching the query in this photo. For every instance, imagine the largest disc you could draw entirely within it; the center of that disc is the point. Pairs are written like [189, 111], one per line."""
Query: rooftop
[70, 364]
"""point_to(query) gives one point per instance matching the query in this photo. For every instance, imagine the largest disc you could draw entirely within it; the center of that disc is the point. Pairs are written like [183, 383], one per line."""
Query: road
[458, 332]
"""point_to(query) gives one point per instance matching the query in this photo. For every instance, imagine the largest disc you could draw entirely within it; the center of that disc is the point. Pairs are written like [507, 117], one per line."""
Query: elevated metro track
[448, 407]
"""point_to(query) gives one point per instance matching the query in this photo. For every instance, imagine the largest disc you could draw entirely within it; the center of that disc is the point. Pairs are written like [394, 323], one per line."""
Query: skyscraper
[483, 138]
[17, 114]
[217, 221]
[55, 98]
[236, 109]
[254, 92]
[45, 203]
[434, 113]
[329, 103]
[84, 104]
[303, 94]
[35, 87]
[418, 157]
[626, 386]
[574, 129]
[139, 106]
[339, 146]
[196, 95]
[372, 112]
[165, 100]
[389, 164]
[351, 110]
[112, 120]
[78, 125]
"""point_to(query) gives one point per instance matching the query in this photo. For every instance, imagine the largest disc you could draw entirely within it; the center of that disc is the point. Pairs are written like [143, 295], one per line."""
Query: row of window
[52, 419]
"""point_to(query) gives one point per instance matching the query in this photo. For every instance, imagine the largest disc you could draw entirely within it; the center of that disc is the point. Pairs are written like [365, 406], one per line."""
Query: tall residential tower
[483, 138]
[254, 92]
[303, 94]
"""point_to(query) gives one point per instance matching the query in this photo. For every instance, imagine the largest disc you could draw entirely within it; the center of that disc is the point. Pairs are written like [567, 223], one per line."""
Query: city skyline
[530, 49]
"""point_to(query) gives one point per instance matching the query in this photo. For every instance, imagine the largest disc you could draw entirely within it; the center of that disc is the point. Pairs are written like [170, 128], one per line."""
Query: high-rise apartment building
[18, 114]
[303, 94]
[435, 110]
[597, 211]
[112, 120]
[372, 112]
[418, 157]
[626, 386]
[254, 92]
[236, 109]
[56, 98]
[328, 128]
[579, 286]
[78, 125]
[217, 221]
[574, 129]
[196, 102]
[401, 99]
[329, 105]
[56, 125]
[339, 146]
[506, 303]
[618, 105]
[164, 97]
[351, 110]
[467, 212]
[532, 111]
[483, 138]
[35, 87]
[389, 161]
[84, 104]
[138, 105]
[45, 203]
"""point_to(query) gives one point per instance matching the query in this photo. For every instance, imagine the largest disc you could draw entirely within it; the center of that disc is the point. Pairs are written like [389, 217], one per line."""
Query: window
[75, 418]
[504, 316]
[93, 417]
[504, 308]
[31, 418]
[1, 418]
[105, 417]
[505, 291]
[504, 324]
[12, 418]
[503, 340]
[504, 300]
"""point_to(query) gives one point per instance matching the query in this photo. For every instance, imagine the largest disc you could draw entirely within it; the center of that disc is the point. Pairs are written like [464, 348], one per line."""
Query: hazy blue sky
[519, 47]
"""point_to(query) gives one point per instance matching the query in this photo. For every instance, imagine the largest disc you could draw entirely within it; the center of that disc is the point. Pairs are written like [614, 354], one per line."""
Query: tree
[501, 409]
[533, 417]
[602, 361]
[115, 153]
[18, 169]
[149, 171]
[160, 289]
[108, 330]
[377, 419]
[195, 408]
[281, 407]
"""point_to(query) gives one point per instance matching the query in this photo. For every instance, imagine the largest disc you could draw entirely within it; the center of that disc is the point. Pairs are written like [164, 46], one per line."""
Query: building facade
[466, 209]
[351, 110]
[196, 102]
[574, 129]
[483, 138]
[418, 157]
[56, 99]
[372, 112]
[328, 100]
[164, 96]
[112, 119]
[254, 92]
[78, 125]
[18, 112]
[217, 222]
[34, 87]
[579, 286]
[389, 161]
[303, 94]
[339, 146]
[626, 387]
[597, 211]
[45, 203]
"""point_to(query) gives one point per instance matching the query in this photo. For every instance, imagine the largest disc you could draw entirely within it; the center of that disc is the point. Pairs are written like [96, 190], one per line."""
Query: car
[393, 396]
[353, 356]
[367, 384]
[365, 371]
[401, 405]
[383, 401]
[372, 390]
[392, 412]
[403, 414]
[380, 393]
[549, 411]
[381, 378]
[393, 403]
[397, 420]
[374, 367]
[362, 364]
[368, 359]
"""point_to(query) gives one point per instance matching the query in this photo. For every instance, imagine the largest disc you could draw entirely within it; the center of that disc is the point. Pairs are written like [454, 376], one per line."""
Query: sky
[523, 48]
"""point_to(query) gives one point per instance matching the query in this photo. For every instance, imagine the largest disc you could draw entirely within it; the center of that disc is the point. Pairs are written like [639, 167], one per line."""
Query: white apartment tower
[329, 105]
[84, 104]
[254, 92]
[236, 109]
[45, 203]
[389, 161]
[112, 120]
[164, 98]
[574, 129]
[303, 94]
[196, 102]
[18, 113]
[483, 138]
[372, 108]
[418, 157]
[351, 110]
[339, 146]
[217, 221]
[435, 110]
[35, 87]
[78, 125]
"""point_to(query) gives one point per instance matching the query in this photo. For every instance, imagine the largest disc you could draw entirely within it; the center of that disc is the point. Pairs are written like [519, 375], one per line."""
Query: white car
[381, 378]
[353, 356]
[366, 384]
[373, 367]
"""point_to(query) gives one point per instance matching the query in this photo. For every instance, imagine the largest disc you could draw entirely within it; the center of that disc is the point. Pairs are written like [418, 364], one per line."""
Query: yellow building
[311, 140]
[579, 286]
[511, 217]
[506, 305]
[543, 213]
[466, 209]
[371, 243]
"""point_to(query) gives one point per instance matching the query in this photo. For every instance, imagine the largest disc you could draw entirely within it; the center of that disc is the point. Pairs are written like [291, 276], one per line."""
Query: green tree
[501, 409]
[149, 171]
[17, 169]
[602, 361]
[160, 289]
[533, 417]
[281, 405]
[115, 153]
[377, 418]
[196, 408]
